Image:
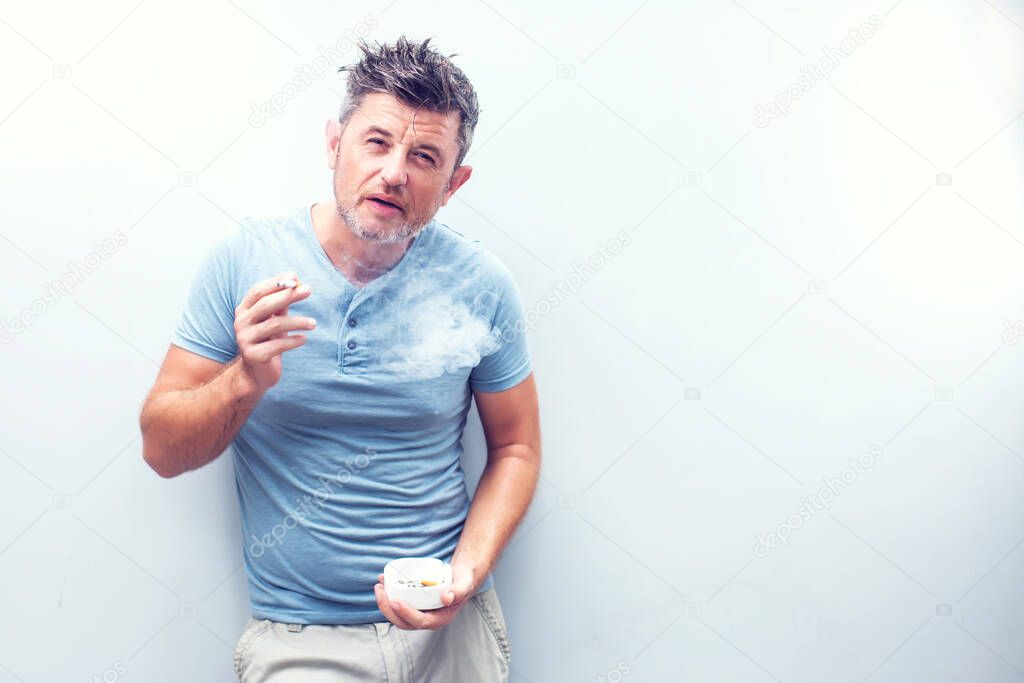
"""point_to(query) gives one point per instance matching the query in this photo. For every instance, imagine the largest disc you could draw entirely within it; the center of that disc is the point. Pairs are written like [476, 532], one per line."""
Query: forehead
[386, 111]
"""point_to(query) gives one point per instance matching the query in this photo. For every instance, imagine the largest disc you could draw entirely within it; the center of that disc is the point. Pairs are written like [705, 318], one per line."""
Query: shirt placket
[350, 339]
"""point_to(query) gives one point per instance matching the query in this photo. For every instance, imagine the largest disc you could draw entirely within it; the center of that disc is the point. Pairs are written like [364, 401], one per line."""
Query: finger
[264, 287]
[264, 351]
[440, 616]
[445, 612]
[459, 590]
[418, 619]
[277, 301]
[283, 313]
[277, 327]
[387, 610]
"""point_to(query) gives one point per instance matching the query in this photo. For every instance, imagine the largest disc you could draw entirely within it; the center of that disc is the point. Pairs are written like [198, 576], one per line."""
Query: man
[346, 433]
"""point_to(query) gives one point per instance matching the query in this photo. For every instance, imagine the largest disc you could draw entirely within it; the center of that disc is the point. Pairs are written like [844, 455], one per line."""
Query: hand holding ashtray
[418, 582]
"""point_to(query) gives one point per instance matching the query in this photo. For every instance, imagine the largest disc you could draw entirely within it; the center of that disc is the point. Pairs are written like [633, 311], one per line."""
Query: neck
[359, 260]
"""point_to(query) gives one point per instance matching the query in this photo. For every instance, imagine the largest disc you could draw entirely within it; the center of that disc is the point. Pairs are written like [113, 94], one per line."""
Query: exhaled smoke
[438, 329]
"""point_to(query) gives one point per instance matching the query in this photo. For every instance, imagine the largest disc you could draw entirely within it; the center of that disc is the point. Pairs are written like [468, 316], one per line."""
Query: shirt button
[351, 322]
[351, 344]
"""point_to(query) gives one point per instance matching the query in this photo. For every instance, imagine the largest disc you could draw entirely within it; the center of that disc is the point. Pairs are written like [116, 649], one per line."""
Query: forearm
[183, 430]
[502, 497]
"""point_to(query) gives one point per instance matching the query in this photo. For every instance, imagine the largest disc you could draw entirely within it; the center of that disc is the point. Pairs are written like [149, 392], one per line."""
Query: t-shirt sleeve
[207, 322]
[510, 363]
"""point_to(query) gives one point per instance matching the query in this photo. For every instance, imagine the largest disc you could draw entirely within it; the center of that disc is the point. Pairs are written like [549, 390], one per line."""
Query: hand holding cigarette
[262, 325]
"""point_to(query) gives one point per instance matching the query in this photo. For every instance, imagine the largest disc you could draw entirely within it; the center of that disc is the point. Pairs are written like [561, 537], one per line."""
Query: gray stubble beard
[403, 232]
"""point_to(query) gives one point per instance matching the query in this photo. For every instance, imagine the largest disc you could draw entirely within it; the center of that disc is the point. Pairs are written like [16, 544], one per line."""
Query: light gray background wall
[796, 290]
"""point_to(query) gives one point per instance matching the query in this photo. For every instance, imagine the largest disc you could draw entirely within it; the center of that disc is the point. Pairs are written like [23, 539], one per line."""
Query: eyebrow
[423, 145]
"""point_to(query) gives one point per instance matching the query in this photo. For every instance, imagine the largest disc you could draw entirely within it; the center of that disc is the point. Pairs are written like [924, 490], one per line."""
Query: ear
[332, 133]
[459, 178]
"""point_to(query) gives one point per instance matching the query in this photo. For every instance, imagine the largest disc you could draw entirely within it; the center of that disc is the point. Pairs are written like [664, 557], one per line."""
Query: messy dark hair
[418, 76]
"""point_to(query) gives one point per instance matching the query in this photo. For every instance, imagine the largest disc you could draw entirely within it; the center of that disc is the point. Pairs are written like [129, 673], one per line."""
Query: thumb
[462, 584]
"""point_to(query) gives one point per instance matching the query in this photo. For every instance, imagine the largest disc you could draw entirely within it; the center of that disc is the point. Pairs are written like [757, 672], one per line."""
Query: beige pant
[474, 647]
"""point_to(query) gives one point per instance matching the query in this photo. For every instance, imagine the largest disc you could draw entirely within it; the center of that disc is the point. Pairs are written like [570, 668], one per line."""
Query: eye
[376, 140]
[426, 156]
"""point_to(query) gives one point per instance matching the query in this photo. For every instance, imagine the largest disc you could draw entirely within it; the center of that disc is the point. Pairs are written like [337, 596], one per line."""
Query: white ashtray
[417, 581]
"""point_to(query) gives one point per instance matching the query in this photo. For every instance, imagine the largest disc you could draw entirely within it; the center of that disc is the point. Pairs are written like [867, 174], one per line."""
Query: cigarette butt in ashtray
[418, 582]
[286, 283]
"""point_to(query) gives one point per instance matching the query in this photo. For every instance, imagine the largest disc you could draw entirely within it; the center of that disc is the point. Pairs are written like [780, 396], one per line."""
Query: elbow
[157, 464]
[154, 457]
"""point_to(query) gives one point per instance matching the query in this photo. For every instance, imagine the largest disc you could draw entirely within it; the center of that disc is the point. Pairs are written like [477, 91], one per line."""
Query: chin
[387, 237]
[376, 229]
[380, 234]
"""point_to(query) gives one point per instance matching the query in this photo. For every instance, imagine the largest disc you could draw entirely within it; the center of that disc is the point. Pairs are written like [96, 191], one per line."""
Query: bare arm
[185, 428]
[198, 405]
[511, 424]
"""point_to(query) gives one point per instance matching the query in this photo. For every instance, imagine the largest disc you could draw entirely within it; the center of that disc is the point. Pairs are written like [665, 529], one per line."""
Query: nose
[393, 172]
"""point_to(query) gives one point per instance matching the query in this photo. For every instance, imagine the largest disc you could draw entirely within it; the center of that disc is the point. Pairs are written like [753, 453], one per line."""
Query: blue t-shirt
[353, 458]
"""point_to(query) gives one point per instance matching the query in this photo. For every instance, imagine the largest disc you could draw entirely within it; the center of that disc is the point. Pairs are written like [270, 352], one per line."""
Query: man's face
[394, 167]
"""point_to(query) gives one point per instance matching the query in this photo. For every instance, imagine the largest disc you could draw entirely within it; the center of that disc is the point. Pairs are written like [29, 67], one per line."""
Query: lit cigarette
[286, 283]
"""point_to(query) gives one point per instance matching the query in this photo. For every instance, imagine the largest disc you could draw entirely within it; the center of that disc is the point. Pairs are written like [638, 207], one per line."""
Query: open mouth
[381, 202]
